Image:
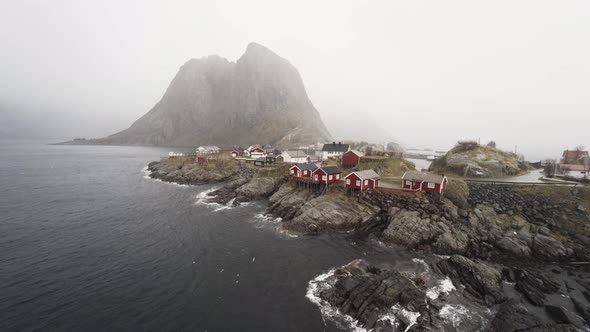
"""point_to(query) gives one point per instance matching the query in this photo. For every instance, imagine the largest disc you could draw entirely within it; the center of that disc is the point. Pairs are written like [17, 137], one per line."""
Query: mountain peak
[260, 99]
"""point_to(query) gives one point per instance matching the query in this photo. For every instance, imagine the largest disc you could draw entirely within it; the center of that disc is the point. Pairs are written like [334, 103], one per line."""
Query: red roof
[573, 167]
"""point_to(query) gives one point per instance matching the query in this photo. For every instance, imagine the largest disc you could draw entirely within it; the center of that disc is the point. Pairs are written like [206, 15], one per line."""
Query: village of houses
[321, 166]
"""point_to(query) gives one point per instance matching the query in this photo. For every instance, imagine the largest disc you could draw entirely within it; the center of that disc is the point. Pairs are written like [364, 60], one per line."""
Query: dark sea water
[88, 243]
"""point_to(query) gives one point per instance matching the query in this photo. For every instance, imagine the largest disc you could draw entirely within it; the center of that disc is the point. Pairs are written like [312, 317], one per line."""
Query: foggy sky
[422, 73]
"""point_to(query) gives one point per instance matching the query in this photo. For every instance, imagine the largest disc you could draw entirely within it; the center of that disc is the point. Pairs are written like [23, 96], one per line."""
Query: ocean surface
[88, 242]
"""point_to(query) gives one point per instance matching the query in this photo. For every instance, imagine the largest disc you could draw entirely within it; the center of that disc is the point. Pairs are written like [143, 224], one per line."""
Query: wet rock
[561, 315]
[514, 246]
[367, 293]
[409, 229]
[480, 280]
[546, 246]
[535, 285]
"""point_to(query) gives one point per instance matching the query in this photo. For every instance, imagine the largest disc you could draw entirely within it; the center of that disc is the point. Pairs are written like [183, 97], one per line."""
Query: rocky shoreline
[497, 236]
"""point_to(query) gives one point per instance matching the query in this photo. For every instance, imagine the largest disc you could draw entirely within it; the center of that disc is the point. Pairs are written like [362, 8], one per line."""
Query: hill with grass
[474, 160]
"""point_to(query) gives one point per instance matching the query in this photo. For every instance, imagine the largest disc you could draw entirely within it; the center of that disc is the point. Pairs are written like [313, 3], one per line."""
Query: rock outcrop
[334, 212]
[258, 99]
[478, 161]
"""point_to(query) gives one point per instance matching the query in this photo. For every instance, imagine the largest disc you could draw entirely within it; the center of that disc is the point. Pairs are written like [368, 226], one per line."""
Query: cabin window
[347, 181]
[316, 177]
[330, 177]
[358, 182]
[323, 178]
[337, 176]
[431, 185]
[292, 171]
[366, 182]
[304, 172]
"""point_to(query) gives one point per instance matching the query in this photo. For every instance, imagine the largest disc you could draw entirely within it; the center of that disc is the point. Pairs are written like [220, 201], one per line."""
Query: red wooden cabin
[418, 181]
[352, 158]
[361, 180]
[302, 170]
[327, 175]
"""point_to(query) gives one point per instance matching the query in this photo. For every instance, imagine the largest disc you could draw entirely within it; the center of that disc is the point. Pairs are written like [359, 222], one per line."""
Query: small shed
[271, 159]
[302, 170]
[236, 153]
[327, 175]
[419, 181]
[260, 161]
[352, 158]
[361, 180]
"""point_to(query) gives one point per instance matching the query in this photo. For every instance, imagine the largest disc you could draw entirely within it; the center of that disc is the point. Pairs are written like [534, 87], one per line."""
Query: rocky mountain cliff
[258, 99]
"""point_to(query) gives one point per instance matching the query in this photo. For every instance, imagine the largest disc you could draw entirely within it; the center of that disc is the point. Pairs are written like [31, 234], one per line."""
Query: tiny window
[292, 171]
[431, 185]
[324, 177]
[347, 181]
[337, 176]
[330, 177]
[366, 182]
[358, 182]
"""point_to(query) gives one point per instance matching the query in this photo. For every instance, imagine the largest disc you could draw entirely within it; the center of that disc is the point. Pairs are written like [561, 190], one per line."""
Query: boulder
[480, 280]
[332, 212]
[548, 247]
[410, 230]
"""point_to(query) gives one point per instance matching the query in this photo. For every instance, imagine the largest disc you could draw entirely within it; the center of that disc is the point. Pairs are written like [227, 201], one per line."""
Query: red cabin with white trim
[302, 170]
[352, 158]
[362, 180]
[418, 181]
[327, 175]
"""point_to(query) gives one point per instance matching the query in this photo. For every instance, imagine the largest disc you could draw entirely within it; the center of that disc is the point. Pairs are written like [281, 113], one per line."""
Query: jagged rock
[259, 187]
[561, 315]
[332, 212]
[480, 280]
[535, 285]
[515, 317]
[287, 201]
[408, 229]
[514, 246]
[546, 246]
[366, 293]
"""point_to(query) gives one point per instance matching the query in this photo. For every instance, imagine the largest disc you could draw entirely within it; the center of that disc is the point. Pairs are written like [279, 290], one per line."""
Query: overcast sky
[423, 73]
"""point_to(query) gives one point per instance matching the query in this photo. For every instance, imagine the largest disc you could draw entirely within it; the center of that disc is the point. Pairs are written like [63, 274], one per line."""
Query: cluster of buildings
[575, 163]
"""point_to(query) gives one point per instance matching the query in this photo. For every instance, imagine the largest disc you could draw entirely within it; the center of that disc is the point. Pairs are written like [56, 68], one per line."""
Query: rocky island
[469, 159]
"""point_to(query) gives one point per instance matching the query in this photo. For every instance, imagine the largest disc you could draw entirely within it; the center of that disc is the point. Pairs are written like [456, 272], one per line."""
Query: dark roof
[307, 166]
[426, 177]
[331, 169]
[338, 147]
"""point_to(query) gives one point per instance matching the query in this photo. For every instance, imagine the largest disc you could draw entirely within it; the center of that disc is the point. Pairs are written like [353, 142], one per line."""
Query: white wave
[421, 262]
[410, 316]
[227, 206]
[455, 314]
[147, 175]
[267, 218]
[324, 282]
[203, 197]
[444, 286]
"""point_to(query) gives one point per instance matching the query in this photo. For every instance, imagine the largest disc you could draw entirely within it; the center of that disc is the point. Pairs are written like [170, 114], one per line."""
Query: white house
[256, 153]
[207, 149]
[295, 156]
[334, 150]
